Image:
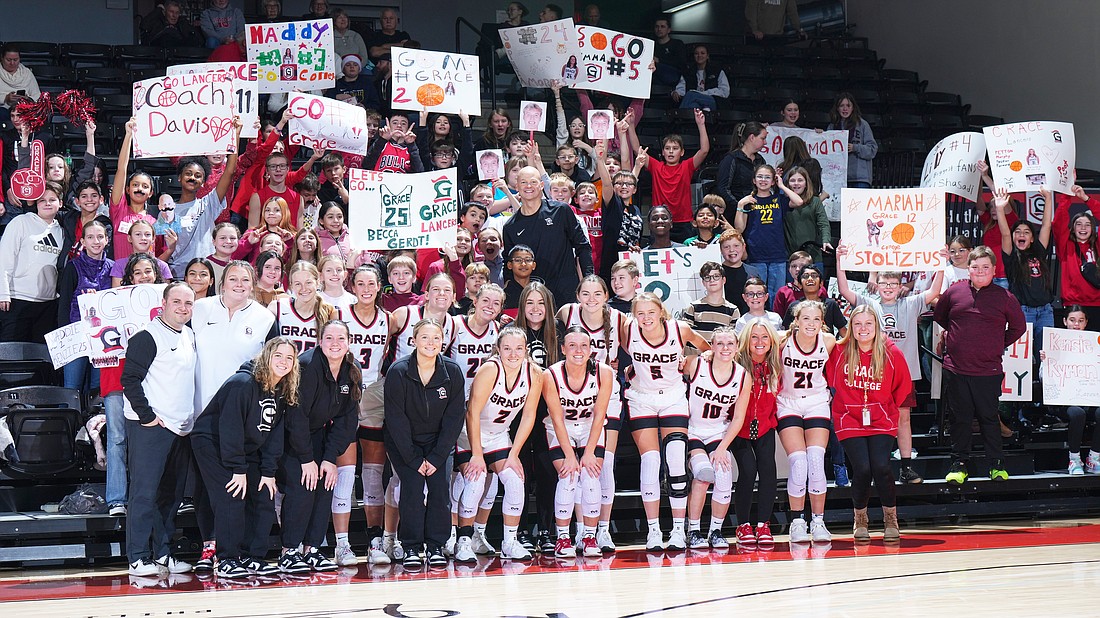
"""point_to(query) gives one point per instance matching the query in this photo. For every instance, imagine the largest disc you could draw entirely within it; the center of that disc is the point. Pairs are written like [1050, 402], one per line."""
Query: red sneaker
[764, 538]
[564, 547]
[745, 537]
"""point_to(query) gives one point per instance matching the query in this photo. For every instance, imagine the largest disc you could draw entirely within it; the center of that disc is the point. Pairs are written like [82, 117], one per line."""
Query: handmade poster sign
[403, 211]
[673, 274]
[68, 343]
[1071, 369]
[1027, 155]
[29, 183]
[892, 229]
[111, 316]
[532, 116]
[601, 124]
[246, 88]
[295, 55]
[543, 53]
[614, 62]
[181, 115]
[433, 81]
[1016, 361]
[830, 148]
[327, 124]
[952, 165]
[490, 164]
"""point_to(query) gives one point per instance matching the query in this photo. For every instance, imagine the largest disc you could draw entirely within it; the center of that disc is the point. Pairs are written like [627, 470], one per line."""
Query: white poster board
[829, 148]
[952, 165]
[327, 124]
[543, 53]
[490, 164]
[673, 274]
[614, 62]
[892, 229]
[296, 55]
[403, 211]
[112, 316]
[246, 88]
[1071, 370]
[68, 343]
[434, 81]
[182, 115]
[1016, 362]
[1027, 155]
[532, 116]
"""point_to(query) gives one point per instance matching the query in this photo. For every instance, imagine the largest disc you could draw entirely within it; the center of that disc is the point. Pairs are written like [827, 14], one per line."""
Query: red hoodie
[1075, 290]
[882, 397]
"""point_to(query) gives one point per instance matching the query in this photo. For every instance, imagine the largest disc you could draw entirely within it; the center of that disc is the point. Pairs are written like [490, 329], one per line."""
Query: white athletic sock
[693, 524]
[589, 531]
[819, 517]
[341, 539]
[510, 533]
[715, 524]
[480, 528]
[678, 523]
[388, 536]
[563, 531]
[603, 526]
[654, 525]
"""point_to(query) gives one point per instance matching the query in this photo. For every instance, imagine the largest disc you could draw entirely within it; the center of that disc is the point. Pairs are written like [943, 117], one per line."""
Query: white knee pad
[675, 447]
[489, 497]
[816, 473]
[373, 492]
[607, 478]
[564, 496]
[723, 486]
[649, 475]
[514, 493]
[393, 491]
[458, 485]
[590, 494]
[701, 470]
[341, 494]
[469, 498]
[796, 482]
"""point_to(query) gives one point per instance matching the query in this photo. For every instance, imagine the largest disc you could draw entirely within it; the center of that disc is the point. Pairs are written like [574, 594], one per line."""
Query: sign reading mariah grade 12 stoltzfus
[433, 81]
[403, 211]
[614, 62]
[892, 229]
[952, 165]
[181, 115]
[246, 88]
[1027, 155]
[296, 55]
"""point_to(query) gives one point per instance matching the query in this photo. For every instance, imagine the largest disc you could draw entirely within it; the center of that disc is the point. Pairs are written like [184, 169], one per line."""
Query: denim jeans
[80, 375]
[1001, 281]
[116, 449]
[694, 99]
[774, 274]
[1039, 318]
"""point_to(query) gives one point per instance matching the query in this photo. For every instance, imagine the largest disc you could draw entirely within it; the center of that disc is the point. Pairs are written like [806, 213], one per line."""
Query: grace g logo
[110, 339]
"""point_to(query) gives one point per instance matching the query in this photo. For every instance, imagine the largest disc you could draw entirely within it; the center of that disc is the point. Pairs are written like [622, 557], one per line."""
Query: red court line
[92, 585]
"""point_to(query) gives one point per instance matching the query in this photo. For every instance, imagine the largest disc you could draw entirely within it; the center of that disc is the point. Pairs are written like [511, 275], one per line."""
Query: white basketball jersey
[579, 405]
[656, 367]
[804, 372]
[600, 343]
[301, 330]
[505, 403]
[368, 342]
[470, 349]
[711, 403]
[403, 340]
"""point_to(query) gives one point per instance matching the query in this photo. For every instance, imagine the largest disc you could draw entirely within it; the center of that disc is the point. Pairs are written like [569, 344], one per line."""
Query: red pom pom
[76, 106]
[35, 114]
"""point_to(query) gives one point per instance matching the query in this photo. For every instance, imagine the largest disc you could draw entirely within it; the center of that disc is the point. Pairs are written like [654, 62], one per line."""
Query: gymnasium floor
[1035, 569]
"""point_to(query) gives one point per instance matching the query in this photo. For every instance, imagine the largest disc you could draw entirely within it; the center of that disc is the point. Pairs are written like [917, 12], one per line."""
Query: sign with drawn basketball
[1027, 155]
[434, 81]
[402, 211]
[891, 229]
[543, 53]
[952, 165]
[614, 62]
[673, 274]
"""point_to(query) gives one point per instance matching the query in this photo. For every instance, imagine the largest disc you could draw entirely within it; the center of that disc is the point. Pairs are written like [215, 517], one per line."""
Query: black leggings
[869, 457]
[1076, 417]
[755, 458]
[306, 513]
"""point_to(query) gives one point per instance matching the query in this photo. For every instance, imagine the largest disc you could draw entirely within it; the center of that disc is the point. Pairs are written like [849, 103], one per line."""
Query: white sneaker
[799, 532]
[655, 541]
[514, 550]
[677, 540]
[480, 546]
[604, 540]
[1092, 464]
[463, 550]
[449, 546]
[819, 532]
[170, 564]
[143, 568]
[345, 556]
[1075, 467]
[377, 555]
[393, 549]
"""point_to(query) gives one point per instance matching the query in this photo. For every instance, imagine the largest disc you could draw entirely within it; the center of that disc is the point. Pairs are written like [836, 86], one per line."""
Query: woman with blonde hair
[301, 315]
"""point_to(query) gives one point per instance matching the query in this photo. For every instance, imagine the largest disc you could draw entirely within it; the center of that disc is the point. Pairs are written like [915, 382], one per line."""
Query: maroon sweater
[980, 324]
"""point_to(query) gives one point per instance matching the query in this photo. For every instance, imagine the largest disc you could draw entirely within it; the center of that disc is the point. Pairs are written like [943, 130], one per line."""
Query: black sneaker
[292, 562]
[256, 566]
[436, 558]
[187, 505]
[318, 562]
[231, 569]
[412, 559]
[909, 476]
[547, 543]
[525, 539]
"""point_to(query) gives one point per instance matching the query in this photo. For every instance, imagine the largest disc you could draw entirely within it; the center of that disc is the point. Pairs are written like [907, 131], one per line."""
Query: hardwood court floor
[1030, 570]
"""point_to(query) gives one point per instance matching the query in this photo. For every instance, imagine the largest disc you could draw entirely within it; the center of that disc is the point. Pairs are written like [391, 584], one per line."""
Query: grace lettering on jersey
[708, 395]
[798, 363]
[645, 357]
[505, 402]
